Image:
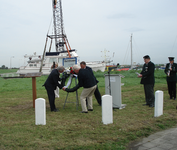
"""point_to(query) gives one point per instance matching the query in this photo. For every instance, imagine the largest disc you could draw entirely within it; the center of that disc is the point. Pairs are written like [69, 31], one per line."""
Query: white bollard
[107, 113]
[158, 103]
[40, 111]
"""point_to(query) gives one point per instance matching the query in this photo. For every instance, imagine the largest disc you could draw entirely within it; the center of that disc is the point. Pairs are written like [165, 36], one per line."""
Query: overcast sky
[91, 26]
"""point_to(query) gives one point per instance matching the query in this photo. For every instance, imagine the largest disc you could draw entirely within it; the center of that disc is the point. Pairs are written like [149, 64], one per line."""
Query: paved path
[163, 140]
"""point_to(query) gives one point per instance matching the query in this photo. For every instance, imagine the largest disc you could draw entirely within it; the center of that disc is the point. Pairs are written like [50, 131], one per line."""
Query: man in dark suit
[50, 85]
[148, 80]
[96, 93]
[88, 82]
[170, 71]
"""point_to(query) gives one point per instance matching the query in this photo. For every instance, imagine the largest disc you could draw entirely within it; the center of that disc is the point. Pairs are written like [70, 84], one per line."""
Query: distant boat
[123, 69]
[34, 62]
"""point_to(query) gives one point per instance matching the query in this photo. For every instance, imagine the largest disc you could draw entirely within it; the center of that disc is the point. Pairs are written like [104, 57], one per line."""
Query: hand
[140, 76]
[63, 88]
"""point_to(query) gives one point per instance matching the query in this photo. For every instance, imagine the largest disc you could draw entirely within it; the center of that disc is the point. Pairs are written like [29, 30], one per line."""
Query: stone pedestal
[113, 87]
[107, 113]
[158, 111]
[40, 111]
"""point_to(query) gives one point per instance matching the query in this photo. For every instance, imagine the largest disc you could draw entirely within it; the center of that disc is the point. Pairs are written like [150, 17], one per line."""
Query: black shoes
[146, 104]
[151, 105]
[90, 109]
[84, 111]
[55, 110]
[172, 98]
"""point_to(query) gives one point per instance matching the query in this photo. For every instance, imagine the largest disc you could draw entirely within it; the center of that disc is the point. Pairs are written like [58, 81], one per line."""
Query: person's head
[53, 64]
[146, 59]
[60, 69]
[76, 69]
[83, 64]
[171, 60]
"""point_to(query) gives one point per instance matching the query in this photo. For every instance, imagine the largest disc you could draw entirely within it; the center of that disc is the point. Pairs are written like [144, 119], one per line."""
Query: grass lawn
[69, 129]
[8, 71]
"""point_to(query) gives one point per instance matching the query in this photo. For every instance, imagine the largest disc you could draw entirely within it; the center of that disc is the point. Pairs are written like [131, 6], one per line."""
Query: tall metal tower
[59, 35]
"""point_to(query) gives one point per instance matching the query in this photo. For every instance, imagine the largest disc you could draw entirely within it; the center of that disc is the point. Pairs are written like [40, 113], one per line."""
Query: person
[96, 93]
[50, 85]
[88, 82]
[170, 71]
[54, 66]
[147, 79]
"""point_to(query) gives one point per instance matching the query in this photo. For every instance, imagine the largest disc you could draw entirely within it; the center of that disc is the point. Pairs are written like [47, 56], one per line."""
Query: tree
[3, 67]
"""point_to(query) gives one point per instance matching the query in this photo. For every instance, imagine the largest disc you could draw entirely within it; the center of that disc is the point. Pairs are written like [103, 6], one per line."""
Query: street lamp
[11, 61]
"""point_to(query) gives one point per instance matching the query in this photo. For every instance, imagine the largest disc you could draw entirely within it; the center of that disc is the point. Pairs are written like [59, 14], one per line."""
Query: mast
[58, 25]
[131, 51]
[59, 35]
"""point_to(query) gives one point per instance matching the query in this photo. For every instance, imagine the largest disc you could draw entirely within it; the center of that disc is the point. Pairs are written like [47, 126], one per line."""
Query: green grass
[8, 71]
[69, 129]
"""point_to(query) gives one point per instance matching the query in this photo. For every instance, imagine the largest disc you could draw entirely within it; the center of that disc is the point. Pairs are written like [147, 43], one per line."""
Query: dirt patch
[133, 145]
[26, 105]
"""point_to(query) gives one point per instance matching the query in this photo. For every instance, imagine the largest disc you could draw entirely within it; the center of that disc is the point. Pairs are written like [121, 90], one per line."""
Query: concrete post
[40, 111]
[107, 113]
[158, 103]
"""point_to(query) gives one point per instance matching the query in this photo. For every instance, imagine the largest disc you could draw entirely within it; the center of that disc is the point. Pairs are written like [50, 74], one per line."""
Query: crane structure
[61, 40]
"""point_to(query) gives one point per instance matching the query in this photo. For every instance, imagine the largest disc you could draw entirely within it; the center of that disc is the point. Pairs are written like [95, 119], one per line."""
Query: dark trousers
[51, 97]
[149, 93]
[172, 89]
[97, 96]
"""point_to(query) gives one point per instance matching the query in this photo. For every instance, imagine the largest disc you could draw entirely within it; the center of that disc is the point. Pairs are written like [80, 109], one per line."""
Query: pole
[50, 45]
[131, 53]
[43, 55]
[34, 90]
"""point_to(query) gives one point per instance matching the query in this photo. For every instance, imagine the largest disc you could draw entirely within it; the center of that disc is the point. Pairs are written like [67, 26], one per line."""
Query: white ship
[60, 58]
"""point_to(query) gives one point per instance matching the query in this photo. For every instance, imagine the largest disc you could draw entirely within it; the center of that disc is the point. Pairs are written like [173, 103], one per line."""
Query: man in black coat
[96, 93]
[88, 82]
[148, 80]
[170, 71]
[50, 85]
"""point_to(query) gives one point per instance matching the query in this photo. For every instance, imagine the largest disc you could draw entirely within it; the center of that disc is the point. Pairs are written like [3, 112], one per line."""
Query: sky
[93, 27]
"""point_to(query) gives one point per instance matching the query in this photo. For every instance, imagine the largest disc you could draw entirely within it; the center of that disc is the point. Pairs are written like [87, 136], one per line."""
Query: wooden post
[33, 76]
[34, 90]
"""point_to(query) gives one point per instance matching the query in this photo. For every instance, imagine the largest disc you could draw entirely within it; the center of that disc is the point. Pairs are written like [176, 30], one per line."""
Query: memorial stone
[40, 111]
[107, 113]
[158, 103]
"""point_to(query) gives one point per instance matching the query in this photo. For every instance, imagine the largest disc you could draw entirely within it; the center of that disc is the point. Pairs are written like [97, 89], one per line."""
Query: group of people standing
[148, 80]
[87, 80]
